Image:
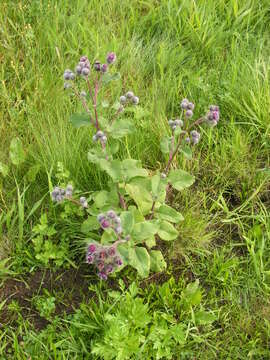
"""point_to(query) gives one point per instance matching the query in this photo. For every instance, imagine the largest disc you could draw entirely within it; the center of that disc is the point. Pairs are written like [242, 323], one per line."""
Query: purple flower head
[100, 265]
[102, 276]
[111, 214]
[179, 122]
[187, 140]
[105, 223]
[97, 65]
[184, 104]
[195, 136]
[189, 113]
[103, 255]
[108, 269]
[213, 108]
[122, 99]
[190, 106]
[111, 251]
[92, 248]
[129, 95]
[135, 100]
[83, 58]
[111, 57]
[85, 71]
[101, 217]
[215, 115]
[89, 259]
[118, 261]
[104, 68]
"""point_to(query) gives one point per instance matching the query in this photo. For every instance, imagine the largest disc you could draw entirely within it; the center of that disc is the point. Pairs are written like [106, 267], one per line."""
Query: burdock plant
[131, 213]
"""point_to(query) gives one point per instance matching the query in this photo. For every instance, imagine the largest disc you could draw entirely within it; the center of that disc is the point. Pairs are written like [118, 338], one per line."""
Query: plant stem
[95, 101]
[152, 210]
[121, 199]
[84, 103]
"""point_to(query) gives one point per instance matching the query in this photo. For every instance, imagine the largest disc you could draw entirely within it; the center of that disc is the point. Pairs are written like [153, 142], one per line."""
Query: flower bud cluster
[195, 137]
[129, 97]
[111, 58]
[100, 136]
[110, 220]
[212, 116]
[58, 194]
[174, 123]
[83, 66]
[188, 106]
[105, 258]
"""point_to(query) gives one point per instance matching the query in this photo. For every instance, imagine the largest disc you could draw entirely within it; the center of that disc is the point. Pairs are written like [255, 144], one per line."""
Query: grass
[211, 52]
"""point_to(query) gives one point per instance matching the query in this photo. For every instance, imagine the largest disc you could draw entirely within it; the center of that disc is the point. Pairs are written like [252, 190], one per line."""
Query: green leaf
[3, 169]
[158, 186]
[108, 236]
[101, 198]
[127, 221]
[150, 242]
[180, 179]
[32, 173]
[140, 260]
[124, 252]
[141, 196]
[165, 144]
[165, 212]
[113, 168]
[132, 168]
[144, 230]
[16, 152]
[90, 224]
[186, 150]
[106, 78]
[95, 155]
[204, 317]
[79, 120]
[167, 231]
[192, 294]
[157, 262]
[121, 127]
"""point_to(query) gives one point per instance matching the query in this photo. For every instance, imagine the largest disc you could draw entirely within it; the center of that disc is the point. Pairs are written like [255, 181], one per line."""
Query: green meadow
[213, 300]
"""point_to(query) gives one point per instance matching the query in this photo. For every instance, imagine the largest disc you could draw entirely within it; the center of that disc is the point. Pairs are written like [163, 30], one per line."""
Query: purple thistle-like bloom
[89, 259]
[97, 65]
[184, 104]
[108, 269]
[92, 248]
[111, 57]
[118, 261]
[100, 265]
[83, 58]
[104, 68]
[111, 251]
[189, 113]
[111, 214]
[102, 276]
[105, 223]
[101, 217]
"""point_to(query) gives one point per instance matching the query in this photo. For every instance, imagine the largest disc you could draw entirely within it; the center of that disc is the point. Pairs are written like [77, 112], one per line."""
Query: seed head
[78, 69]
[102, 276]
[67, 85]
[83, 94]
[99, 134]
[163, 176]
[178, 122]
[92, 248]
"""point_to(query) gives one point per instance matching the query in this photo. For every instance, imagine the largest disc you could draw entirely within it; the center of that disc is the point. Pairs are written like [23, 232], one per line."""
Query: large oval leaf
[79, 120]
[157, 262]
[140, 260]
[168, 213]
[167, 231]
[16, 152]
[180, 179]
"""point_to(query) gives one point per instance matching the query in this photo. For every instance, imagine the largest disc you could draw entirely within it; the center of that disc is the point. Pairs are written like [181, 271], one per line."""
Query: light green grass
[209, 51]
